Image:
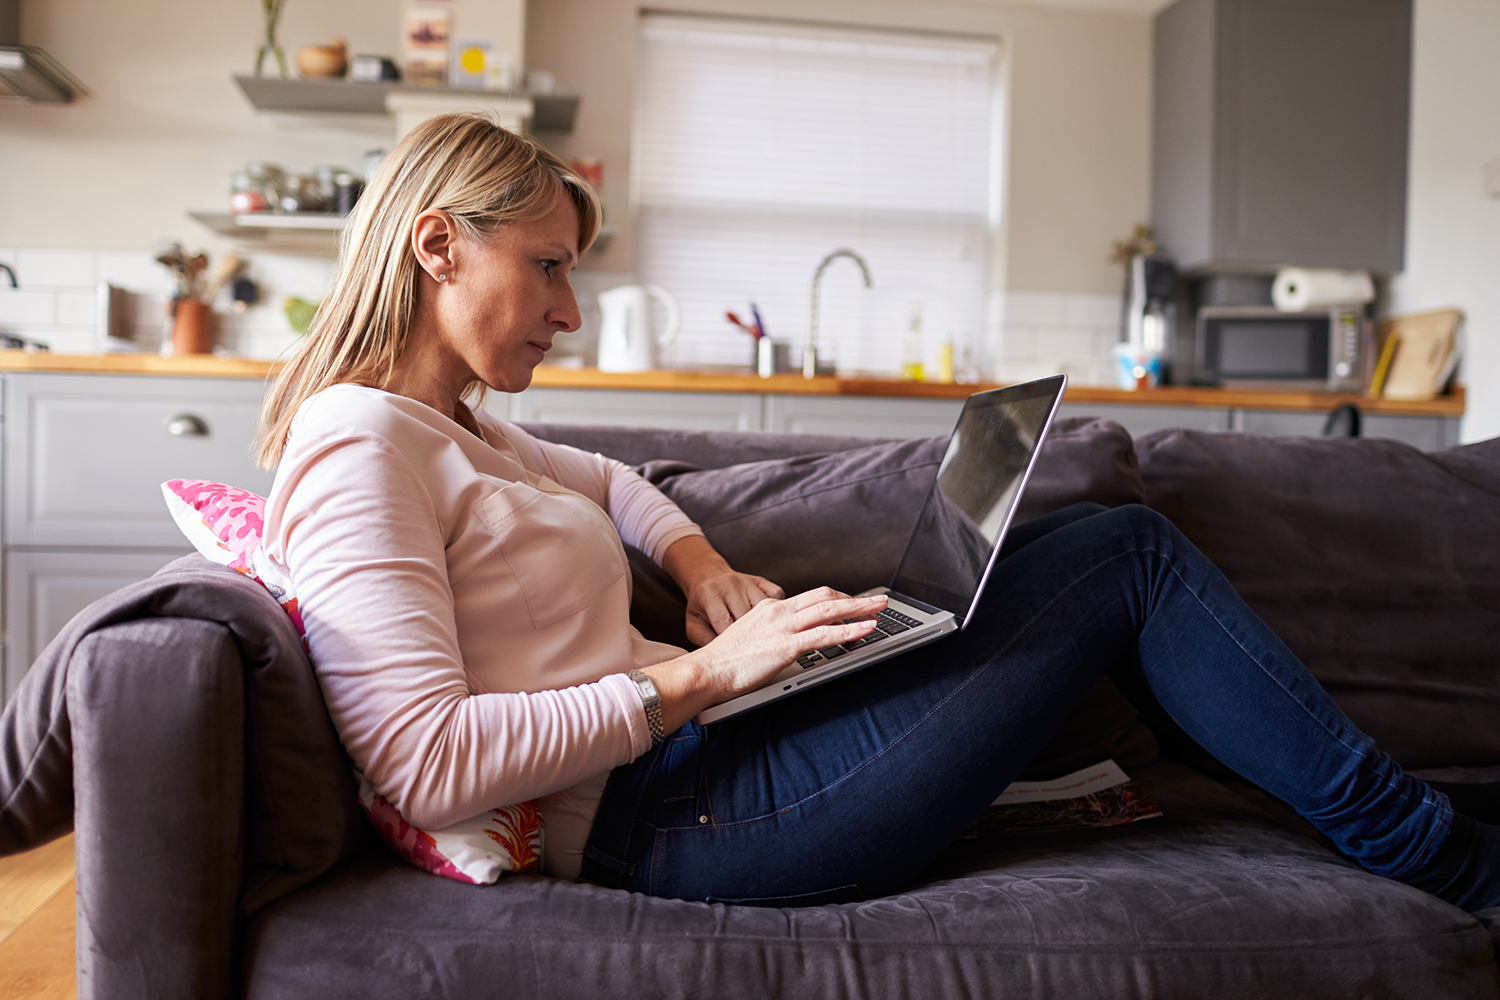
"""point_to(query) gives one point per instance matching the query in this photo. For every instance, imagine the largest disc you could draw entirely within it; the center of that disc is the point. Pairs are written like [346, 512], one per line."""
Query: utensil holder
[192, 327]
[772, 357]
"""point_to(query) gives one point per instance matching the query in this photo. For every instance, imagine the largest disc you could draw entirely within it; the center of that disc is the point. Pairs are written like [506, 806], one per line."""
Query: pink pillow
[227, 525]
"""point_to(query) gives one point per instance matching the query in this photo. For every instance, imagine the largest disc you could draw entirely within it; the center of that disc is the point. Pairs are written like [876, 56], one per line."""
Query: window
[760, 147]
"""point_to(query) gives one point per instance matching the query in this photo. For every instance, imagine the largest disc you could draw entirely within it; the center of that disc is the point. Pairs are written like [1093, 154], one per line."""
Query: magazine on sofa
[1097, 796]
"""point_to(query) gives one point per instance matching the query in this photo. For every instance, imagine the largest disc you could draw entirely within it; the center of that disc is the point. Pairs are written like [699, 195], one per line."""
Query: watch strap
[651, 701]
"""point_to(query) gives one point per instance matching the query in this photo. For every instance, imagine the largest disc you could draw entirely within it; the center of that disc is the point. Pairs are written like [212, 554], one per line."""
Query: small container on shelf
[347, 189]
[257, 188]
[303, 194]
[246, 198]
[373, 69]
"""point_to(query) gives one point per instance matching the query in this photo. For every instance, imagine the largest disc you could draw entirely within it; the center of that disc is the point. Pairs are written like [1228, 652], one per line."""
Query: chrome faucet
[810, 353]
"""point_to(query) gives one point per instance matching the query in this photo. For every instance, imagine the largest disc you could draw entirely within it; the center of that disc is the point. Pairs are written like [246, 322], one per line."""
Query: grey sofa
[178, 727]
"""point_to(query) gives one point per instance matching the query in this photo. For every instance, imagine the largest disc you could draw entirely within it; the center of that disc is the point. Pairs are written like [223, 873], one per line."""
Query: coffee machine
[1146, 327]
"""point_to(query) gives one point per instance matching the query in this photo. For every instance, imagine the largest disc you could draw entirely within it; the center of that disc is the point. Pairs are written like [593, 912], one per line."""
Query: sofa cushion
[1378, 564]
[1211, 900]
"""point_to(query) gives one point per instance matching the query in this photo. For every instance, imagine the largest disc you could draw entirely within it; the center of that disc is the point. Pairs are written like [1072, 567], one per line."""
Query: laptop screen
[974, 495]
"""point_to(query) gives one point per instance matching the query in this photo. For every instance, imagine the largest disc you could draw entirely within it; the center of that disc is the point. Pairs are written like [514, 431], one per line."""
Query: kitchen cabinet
[698, 411]
[44, 589]
[910, 410]
[867, 416]
[1279, 133]
[84, 459]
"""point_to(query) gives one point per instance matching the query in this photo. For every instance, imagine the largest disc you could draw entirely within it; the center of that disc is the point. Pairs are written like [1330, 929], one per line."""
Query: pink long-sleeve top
[467, 604]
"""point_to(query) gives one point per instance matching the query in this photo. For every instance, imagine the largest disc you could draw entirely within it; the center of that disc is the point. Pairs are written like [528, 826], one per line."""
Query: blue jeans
[849, 790]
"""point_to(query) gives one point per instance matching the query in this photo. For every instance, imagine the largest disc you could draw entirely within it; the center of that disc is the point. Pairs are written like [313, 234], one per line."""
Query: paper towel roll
[1298, 289]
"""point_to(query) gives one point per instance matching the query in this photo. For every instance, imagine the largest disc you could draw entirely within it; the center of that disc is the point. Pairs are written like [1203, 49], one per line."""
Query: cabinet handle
[187, 425]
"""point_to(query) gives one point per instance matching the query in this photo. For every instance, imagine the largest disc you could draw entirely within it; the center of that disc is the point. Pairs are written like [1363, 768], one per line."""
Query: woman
[466, 599]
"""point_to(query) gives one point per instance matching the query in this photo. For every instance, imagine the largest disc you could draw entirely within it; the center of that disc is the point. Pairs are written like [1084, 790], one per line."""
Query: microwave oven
[1263, 346]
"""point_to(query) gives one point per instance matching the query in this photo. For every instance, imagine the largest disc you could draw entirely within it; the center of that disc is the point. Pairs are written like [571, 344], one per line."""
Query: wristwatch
[651, 698]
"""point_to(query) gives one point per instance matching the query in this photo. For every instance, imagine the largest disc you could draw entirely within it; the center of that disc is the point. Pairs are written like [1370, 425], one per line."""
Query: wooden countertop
[191, 365]
[553, 377]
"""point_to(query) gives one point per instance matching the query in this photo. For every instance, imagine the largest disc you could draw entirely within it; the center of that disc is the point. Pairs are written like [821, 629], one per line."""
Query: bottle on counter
[911, 364]
[944, 373]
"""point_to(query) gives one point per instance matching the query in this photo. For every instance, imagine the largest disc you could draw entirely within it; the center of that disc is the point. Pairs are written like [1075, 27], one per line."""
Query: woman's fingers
[831, 635]
[737, 601]
[827, 605]
[768, 588]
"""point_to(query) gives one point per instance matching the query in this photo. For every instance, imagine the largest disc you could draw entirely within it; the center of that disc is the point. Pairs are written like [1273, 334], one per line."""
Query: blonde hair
[468, 166]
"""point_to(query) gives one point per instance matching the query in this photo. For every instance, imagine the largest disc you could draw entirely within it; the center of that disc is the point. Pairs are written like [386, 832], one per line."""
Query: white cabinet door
[687, 411]
[862, 416]
[86, 454]
[1427, 433]
[44, 590]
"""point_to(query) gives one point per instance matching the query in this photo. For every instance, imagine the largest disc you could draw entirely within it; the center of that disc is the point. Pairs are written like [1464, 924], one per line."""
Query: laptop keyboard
[887, 624]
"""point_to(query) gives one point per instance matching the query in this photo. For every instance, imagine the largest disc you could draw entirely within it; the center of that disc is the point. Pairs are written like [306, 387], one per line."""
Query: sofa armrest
[158, 721]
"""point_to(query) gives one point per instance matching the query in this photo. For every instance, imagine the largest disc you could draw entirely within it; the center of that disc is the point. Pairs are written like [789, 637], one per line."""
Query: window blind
[761, 147]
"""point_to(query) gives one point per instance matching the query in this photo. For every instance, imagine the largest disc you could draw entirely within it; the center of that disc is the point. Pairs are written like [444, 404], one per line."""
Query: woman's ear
[433, 236]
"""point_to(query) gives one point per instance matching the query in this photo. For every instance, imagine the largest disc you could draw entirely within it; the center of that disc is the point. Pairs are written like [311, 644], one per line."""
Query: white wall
[164, 125]
[1080, 93]
[1453, 227]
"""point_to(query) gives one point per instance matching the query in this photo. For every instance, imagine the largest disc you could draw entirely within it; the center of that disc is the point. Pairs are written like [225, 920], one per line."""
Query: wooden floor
[36, 923]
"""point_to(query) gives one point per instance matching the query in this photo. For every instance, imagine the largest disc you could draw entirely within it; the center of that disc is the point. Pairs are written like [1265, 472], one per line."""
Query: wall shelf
[315, 233]
[547, 112]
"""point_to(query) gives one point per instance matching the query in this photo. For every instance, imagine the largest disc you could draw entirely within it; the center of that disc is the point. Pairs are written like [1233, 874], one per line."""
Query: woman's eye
[549, 266]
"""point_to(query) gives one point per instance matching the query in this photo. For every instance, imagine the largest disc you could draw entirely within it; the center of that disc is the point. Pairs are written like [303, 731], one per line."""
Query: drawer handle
[187, 425]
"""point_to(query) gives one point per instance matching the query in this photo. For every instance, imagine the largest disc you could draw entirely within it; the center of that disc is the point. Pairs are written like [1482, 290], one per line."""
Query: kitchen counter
[192, 365]
[730, 381]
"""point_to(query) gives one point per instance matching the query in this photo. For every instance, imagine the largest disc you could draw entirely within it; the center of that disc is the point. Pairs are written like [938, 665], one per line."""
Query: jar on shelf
[258, 176]
[303, 194]
[326, 186]
[246, 196]
[347, 190]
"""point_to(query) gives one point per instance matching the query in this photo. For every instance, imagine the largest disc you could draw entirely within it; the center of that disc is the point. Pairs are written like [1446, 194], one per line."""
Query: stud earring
[442, 277]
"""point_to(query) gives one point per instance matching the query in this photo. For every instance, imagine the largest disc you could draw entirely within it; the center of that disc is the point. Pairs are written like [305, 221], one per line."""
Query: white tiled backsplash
[57, 302]
[1041, 333]
[1044, 333]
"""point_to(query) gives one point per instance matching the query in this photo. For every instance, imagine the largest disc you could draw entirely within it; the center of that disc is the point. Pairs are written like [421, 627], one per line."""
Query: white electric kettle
[626, 343]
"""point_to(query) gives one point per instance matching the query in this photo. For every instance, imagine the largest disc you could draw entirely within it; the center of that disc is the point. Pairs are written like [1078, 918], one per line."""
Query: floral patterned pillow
[226, 525]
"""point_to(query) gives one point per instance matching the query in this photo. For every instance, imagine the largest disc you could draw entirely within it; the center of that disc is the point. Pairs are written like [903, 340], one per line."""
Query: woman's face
[506, 297]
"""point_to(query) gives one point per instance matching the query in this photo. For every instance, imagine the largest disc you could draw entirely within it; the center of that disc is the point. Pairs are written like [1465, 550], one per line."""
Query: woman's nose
[565, 314]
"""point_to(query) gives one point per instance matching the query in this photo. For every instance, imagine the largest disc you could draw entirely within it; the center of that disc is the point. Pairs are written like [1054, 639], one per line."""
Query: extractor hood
[25, 70]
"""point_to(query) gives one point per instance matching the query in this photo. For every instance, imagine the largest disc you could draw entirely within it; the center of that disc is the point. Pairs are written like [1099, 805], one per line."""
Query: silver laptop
[953, 546]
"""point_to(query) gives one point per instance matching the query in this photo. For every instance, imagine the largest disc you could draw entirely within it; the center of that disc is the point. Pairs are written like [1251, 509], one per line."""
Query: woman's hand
[718, 601]
[757, 646]
[717, 594]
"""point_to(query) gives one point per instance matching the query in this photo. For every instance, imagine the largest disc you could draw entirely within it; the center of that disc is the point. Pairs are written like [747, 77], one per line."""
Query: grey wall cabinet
[1280, 133]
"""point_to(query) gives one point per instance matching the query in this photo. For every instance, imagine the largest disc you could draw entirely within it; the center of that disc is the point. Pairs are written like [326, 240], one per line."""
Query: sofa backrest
[701, 449]
[1376, 563]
